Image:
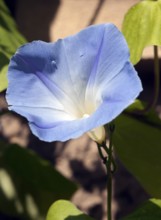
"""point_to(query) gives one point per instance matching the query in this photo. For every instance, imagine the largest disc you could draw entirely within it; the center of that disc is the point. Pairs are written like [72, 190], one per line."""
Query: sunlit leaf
[28, 184]
[3, 77]
[138, 144]
[10, 40]
[65, 210]
[151, 210]
[141, 27]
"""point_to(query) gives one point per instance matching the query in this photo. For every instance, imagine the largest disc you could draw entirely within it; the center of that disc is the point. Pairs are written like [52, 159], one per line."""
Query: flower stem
[157, 76]
[156, 86]
[156, 81]
[109, 170]
[109, 162]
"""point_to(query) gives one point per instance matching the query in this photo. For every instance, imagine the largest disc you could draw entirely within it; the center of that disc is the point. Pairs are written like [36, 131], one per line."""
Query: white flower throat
[83, 109]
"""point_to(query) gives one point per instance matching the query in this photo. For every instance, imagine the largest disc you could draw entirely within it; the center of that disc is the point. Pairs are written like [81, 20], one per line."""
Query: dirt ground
[77, 159]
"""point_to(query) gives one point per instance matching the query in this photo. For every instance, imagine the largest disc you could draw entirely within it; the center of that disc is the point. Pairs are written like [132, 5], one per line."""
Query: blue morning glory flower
[73, 86]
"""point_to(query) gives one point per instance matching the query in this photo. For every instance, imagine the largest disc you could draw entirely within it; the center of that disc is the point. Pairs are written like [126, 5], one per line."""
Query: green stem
[157, 76]
[112, 159]
[153, 103]
[101, 154]
[109, 182]
[154, 100]
[110, 166]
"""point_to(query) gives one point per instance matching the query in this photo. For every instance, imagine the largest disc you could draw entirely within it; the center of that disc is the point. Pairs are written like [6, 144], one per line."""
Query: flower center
[85, 115]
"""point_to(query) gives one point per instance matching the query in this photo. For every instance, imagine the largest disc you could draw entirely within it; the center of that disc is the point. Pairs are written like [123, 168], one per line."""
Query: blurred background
[78, 160]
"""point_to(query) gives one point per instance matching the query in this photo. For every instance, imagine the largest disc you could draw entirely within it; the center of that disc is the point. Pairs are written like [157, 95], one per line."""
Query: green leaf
[28, 184]
[3, 78]
[10, 40]
[138, 144]
[141, 27]
[65, 210]
[4, 60]
[151, 210]
[137, 105]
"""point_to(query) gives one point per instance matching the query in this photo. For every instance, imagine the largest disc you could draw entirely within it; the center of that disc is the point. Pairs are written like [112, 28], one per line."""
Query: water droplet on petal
[53, 63]
[81, 53]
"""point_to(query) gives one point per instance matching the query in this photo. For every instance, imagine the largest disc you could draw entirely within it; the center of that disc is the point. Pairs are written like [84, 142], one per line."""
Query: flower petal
[95, 54]
[112, 55]
[85, 58]
[124, 87]
[26, 89]
[45, 118]
[51, 84]
[115, 100]
[31, 69]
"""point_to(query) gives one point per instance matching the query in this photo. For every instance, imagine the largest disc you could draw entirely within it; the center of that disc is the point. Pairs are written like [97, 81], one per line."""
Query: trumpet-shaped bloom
[73, 86]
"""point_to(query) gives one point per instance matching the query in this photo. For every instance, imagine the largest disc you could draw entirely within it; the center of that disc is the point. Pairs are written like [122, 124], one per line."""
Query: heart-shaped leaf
[141, 27]
[65, 210]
